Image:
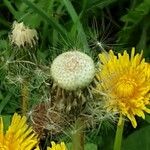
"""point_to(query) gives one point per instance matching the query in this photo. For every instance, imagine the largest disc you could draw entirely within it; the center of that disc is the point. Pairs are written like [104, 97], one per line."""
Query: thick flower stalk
[73, 70]
[55, 146]
[22, 35]
[19, 135]
[124, 82]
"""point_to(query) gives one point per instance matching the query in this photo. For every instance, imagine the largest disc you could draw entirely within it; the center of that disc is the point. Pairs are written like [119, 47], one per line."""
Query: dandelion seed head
[73, 70]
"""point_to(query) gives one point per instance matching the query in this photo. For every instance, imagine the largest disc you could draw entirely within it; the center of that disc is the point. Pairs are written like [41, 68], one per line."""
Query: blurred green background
[90, 25]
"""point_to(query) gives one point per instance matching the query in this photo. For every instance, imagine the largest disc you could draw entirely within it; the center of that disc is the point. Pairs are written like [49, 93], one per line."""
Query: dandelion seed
[23, 36]
[125, 82]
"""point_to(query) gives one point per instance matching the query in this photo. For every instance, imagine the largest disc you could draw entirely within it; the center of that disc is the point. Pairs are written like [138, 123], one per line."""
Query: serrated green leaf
[135, 15]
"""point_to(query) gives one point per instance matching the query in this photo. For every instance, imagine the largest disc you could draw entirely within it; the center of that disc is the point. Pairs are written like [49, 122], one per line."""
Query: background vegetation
[91, 25]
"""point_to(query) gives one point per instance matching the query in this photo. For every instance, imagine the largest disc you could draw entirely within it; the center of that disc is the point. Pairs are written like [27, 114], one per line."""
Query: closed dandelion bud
[73, 70]
[22, 36]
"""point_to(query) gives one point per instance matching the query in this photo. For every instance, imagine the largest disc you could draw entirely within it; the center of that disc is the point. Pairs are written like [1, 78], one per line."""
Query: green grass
[64, 25]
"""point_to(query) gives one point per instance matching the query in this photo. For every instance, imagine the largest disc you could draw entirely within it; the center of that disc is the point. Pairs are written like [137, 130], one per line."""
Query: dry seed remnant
[22, 35]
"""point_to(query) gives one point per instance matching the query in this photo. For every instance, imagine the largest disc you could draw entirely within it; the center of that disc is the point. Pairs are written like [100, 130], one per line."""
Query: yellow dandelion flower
[124, 82]
[55, 146]
[19, 135]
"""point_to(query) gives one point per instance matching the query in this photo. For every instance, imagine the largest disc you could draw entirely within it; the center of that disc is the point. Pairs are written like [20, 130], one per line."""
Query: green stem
[25, 97]
[78, 135]
[119, 132]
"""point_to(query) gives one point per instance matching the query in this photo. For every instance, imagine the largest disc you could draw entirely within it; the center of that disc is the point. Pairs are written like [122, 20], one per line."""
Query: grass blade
[49, 19]
[11, 9]
[76, 21]
[4, 102]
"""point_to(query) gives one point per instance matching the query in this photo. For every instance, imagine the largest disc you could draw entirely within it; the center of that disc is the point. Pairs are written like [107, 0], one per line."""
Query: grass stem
[25, 97]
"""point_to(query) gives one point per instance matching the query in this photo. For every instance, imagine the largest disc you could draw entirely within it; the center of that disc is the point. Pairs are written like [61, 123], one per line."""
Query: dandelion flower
[55, 146]
[19, 135]
[22, 35]
[73, 70]
[125, 84]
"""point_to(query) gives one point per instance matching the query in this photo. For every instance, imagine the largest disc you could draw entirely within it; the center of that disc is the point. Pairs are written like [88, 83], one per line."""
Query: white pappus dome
[73, 70]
